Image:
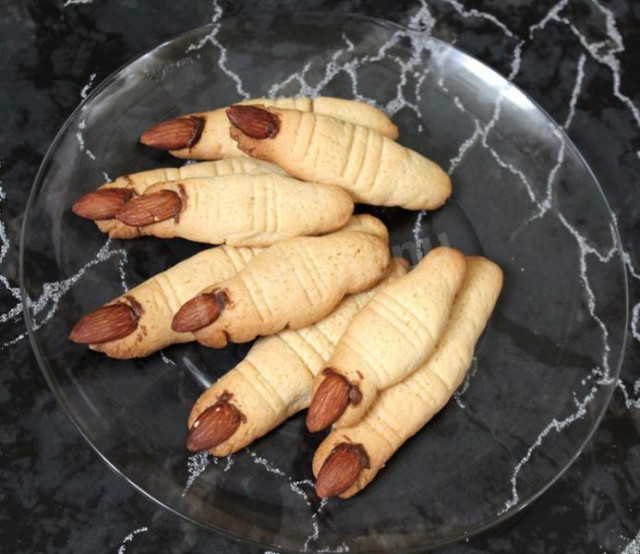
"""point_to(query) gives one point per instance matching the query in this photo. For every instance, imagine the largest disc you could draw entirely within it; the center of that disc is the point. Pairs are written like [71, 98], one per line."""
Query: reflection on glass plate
[523, 196]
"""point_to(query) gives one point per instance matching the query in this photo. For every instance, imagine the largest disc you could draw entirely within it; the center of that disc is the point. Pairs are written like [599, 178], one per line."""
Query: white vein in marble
[211, 38]
[76, 2]
[129, 538]
[85, 89]
[634, 546]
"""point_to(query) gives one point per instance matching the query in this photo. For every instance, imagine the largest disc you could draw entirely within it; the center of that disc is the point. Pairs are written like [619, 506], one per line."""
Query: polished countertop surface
[577, 59]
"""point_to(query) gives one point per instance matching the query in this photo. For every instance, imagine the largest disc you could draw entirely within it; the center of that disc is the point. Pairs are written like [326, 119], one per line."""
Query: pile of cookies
[370, 348]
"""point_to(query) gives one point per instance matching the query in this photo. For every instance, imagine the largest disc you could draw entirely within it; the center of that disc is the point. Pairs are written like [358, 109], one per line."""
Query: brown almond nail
[329, 402]
[213, 426]
[182, 132]
[101, 204]
[198, 312]
[108, 323]
[341, 469]
[254, 122]
[150, 208]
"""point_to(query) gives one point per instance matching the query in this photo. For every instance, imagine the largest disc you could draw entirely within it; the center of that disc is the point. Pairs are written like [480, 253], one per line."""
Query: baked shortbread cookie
[373, 168]
[238, 210]
[292, 284]
[138, 323]
[388, 340]
[205, 135]
[103, 204]
[349, 458]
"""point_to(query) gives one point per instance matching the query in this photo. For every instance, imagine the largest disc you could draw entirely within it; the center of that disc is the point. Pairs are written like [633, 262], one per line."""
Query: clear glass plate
[523, 196]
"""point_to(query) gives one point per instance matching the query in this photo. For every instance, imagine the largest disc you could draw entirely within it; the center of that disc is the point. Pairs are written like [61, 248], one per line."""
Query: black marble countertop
[578, 59]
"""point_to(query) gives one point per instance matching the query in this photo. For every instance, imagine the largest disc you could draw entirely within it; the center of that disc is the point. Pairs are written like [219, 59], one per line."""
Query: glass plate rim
[113, 76]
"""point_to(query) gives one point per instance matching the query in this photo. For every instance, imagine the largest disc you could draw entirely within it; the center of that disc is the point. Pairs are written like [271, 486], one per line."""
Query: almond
[329, 402]
[198, 312]
[102, 204]
[182, 132]
[213, 426]
[108, 323]
[150, 208]
[254, 122]
[341, 469]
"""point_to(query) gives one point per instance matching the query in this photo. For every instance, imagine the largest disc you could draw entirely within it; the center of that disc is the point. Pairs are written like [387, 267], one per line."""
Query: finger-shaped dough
[292, 284]
[238, 210]
[145, 312]
[273, 382]
[100, 206]
[373, 168]
[392, 336]
[353, 111]
[402, 410]
[205, 135]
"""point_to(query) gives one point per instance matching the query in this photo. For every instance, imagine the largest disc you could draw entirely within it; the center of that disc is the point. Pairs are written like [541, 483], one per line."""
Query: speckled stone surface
[578, 61]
